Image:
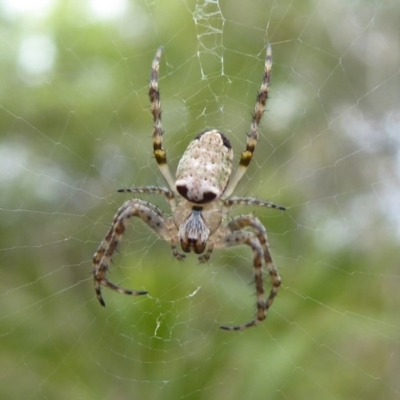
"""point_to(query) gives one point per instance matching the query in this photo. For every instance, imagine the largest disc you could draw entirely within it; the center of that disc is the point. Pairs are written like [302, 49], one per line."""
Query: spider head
[205, 167]
[194, 233]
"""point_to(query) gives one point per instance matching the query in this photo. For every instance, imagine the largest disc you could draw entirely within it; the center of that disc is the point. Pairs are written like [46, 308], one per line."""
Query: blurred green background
[75, 126]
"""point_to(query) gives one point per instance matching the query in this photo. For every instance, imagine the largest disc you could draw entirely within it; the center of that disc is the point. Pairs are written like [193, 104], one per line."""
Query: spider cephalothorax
[200, 201]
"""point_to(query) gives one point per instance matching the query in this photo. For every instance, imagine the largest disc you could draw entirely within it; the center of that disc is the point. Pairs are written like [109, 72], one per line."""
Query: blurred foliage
[74, 132]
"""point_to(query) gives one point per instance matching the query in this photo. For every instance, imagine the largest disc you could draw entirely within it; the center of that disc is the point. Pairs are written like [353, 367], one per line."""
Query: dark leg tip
[240, 327]
[230, 328]
[225, 328]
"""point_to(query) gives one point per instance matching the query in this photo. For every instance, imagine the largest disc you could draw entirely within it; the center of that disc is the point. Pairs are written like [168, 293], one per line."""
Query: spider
[200, 201]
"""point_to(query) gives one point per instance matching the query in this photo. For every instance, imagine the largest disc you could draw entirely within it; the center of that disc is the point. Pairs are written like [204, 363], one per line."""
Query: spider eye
[198, 198]
[182, 190]
[208, 196]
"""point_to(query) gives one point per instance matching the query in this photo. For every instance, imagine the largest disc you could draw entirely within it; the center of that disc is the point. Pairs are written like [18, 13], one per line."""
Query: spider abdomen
[205, 167]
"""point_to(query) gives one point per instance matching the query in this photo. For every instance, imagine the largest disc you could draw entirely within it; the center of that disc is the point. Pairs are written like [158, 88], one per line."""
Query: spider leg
[174, 247]
[252, 137]
[169, 195]
[150, 215]
[205, 257]
[155, 106]
[248, 201]
[258, 241]
[226, 206]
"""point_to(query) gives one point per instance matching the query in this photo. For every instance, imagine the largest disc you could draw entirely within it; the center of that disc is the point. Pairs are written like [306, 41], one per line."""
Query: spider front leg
[258, 242]
[155, 107]
[252, 136]
[150, 215]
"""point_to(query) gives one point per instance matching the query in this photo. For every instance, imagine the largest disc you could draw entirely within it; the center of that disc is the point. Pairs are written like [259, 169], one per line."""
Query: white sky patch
[36, 58]
[106, 9]
[14, 159]
[285, 107]
[16, 7]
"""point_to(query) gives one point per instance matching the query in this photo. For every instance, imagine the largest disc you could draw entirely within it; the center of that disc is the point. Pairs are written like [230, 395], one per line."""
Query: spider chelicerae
[200, 201]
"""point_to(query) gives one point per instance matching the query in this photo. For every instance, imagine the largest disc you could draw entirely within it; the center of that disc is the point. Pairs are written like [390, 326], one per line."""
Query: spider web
[76, 126]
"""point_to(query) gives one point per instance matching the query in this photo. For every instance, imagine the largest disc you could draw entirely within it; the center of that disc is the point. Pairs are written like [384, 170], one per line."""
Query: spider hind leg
[110, 285]
[256, 239]
[143, 210]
